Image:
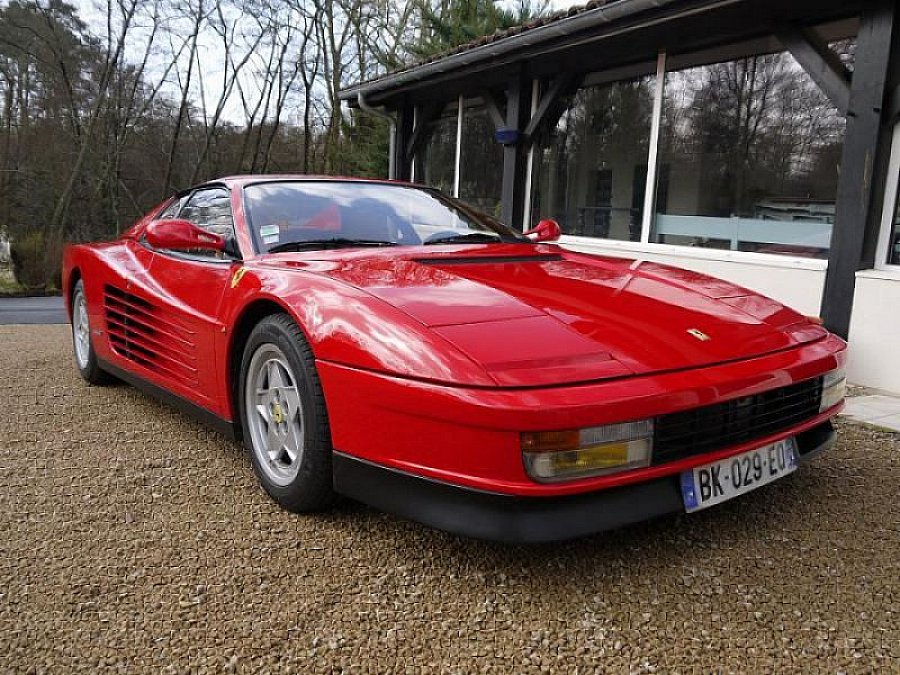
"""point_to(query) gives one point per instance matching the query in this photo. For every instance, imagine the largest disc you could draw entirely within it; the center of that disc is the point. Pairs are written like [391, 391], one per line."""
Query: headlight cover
[552, 456]
[834, 388]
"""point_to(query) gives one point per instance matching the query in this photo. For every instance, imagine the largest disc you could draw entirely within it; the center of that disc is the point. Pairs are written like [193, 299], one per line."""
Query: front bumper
[472, 436]
[515, 519]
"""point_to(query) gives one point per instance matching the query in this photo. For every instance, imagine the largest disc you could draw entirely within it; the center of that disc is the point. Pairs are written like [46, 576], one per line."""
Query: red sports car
[385, 342]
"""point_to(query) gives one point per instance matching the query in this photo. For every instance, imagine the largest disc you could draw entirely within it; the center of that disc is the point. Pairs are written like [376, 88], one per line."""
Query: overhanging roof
[579, 26]
[600, 17]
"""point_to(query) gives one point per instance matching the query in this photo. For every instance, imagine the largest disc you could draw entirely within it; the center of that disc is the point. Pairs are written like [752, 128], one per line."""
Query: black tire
[85, 361]
[311, 489]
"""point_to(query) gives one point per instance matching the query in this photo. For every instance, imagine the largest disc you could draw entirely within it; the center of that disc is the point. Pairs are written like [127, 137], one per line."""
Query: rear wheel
[85, 358]
[283, 416]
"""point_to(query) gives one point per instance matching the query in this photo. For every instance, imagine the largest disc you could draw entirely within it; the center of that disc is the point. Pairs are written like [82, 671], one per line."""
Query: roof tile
[501, 34]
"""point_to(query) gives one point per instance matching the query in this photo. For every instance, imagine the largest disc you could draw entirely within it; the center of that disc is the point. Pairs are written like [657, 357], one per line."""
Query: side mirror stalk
[231, 249]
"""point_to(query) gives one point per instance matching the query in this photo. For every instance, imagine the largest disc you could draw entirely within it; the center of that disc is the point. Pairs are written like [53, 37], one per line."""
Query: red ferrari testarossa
[385, 342]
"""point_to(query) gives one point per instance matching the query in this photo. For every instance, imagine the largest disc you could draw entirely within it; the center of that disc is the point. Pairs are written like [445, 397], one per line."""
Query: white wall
[875, 331]
[798, 283]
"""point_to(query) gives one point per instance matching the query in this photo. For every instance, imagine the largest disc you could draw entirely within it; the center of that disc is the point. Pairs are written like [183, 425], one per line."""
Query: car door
[188, 287]
[114, 301]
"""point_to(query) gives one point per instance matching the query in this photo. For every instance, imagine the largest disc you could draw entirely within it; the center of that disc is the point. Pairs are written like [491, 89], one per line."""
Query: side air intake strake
[139, 332]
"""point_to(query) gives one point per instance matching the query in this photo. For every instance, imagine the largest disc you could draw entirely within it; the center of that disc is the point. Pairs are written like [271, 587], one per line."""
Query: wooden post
[403, 131]
[857, 209]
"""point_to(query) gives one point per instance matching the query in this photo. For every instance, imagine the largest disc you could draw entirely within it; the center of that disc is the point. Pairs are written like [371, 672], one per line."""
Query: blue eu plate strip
[687, 489]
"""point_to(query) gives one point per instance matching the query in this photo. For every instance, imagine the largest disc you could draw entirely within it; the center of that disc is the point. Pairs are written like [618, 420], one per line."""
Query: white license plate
[714, 483]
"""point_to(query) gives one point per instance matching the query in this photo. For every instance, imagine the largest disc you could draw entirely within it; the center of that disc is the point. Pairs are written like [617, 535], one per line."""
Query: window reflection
[481, 163]
[439, 154]
[894, 241]
[283, 212]
[748, 158]
[593, 170]
[211, 210]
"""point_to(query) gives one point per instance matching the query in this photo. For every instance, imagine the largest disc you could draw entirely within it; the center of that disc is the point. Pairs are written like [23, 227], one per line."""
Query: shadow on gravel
[673, 538]
[628, 555]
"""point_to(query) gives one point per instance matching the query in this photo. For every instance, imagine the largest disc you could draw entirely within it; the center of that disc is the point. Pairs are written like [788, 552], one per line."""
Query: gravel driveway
[133, 540]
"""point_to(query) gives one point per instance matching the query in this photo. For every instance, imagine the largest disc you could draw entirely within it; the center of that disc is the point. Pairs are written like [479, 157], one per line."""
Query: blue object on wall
[506, 136]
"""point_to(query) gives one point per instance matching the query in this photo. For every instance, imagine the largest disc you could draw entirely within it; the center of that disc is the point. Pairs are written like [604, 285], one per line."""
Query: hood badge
[699, 334]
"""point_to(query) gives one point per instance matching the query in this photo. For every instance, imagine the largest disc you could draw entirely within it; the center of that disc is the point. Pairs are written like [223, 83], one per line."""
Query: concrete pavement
[882, 410]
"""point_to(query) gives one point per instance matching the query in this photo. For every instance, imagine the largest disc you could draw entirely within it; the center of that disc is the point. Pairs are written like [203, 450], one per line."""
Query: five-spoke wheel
[275, 414]
[283, 416]
[81, 327]
[85, 358]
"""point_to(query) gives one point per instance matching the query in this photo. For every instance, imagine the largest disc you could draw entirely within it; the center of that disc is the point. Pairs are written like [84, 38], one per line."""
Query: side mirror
[181, 235]
[546, 230]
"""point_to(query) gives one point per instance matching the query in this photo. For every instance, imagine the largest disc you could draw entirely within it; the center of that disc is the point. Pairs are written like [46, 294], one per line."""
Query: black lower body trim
[199, 413]
[815, 441]
[512, 519]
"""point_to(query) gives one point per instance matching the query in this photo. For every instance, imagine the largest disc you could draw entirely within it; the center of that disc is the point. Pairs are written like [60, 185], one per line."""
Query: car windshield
[303, 215]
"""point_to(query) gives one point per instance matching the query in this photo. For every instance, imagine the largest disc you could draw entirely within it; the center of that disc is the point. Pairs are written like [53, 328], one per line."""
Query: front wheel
[85, 358]
[283, 416]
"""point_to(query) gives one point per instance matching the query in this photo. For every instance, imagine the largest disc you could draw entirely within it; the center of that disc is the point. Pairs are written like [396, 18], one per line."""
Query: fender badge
[699, 334]
[238, 275]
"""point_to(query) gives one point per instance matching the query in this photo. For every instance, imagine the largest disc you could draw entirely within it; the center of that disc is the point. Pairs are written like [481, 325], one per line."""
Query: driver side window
[210, 208]
[207, 208]
[171, 211]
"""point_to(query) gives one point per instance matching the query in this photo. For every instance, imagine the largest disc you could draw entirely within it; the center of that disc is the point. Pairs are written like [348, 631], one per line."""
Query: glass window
[481, 163]
[210, 208]
[749, 156]
[171, 211]
[301, 215]
[893, 252]
[438, 162]
[592, 172]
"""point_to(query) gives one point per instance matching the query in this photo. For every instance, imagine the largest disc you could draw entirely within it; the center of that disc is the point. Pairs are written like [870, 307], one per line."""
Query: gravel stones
[134, 540]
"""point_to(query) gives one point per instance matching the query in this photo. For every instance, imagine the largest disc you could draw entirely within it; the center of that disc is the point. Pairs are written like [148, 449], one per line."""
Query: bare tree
[197, 14]
[119, 17]
[224, 23]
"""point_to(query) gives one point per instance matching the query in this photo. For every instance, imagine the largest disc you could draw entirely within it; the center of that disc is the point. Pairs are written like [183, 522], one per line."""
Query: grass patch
[10, 288]
[8, 283]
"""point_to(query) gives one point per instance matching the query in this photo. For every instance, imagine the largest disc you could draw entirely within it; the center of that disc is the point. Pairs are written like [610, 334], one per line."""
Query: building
[754, 140]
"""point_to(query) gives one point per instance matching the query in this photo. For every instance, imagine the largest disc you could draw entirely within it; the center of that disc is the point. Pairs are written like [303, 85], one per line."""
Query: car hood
[541, 315]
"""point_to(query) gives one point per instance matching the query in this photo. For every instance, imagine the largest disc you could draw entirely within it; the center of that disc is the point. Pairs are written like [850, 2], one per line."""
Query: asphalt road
[133, 540]
[32, 311]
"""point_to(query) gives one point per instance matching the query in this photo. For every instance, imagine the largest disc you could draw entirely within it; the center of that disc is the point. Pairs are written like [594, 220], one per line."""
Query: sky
[93, 13]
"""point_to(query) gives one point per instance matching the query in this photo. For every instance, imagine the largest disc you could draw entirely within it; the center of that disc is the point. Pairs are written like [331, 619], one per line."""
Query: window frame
[603, 79]
[766, 46]
[889, 207]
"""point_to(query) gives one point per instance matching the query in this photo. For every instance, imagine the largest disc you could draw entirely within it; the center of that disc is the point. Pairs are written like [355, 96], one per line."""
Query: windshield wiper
[336, 242]
[468, 237]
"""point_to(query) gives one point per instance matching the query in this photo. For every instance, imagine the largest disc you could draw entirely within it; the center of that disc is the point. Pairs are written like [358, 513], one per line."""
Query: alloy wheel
[274, 414]
[81, 329]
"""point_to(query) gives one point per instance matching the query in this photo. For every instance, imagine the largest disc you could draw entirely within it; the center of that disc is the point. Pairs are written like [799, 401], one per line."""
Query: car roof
[240, 180]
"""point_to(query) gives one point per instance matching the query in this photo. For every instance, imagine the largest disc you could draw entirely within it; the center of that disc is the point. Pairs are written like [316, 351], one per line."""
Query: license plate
[714, 483]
